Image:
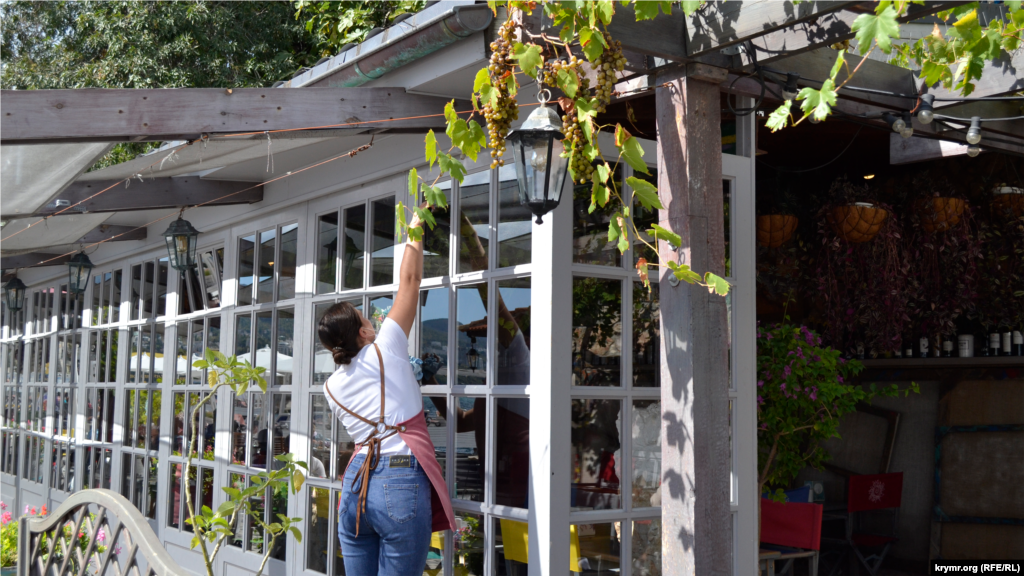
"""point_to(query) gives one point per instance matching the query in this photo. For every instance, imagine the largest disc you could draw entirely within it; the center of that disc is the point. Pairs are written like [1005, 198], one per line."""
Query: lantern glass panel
[540, 169]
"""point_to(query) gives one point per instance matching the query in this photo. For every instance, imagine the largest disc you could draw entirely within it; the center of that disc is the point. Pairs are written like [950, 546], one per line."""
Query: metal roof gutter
[454, 24]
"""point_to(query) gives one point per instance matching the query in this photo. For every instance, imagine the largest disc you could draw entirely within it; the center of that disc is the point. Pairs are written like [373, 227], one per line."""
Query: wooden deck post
[696, 524]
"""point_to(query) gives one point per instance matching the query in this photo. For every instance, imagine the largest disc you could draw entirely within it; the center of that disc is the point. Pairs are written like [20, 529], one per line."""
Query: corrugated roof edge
[417, 22]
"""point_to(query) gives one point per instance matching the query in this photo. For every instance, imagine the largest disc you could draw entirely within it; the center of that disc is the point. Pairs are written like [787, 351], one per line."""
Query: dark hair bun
[339, 331]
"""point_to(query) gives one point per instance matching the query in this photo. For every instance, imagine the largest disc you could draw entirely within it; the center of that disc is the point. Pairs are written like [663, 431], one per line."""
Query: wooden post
[696, 525]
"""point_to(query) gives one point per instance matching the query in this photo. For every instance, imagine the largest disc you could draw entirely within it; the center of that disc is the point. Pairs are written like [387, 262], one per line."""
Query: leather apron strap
[381, 431]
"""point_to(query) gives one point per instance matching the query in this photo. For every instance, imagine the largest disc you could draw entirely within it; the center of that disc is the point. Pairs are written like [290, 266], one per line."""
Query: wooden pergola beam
[155, 193]
[99, 115]
[32, 260]
[113, 233]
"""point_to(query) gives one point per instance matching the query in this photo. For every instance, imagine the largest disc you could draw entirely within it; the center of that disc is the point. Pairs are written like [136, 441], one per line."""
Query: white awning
[32, 176]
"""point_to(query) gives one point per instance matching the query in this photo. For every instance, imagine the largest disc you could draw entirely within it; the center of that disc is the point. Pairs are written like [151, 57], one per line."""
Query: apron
[414, 433]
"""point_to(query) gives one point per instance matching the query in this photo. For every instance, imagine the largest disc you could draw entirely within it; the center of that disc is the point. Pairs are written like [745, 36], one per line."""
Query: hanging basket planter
[858, 222]
[939, 214]
[1008, 201]
[774, 230]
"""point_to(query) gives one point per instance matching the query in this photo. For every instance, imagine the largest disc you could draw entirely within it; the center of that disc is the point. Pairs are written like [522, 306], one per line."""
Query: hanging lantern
[472, 356]
[540, 167]
[79, 270]
[181, 239]
[14, 294]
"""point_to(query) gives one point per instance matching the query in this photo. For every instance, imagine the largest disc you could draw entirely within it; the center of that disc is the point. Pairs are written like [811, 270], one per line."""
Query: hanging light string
[173, 213]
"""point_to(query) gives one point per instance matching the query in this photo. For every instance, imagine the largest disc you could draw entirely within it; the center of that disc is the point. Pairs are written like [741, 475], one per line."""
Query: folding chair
[868, 493]
[794, 530]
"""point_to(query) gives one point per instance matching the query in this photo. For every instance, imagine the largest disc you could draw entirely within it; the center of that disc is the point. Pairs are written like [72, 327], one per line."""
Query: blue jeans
[394, 531]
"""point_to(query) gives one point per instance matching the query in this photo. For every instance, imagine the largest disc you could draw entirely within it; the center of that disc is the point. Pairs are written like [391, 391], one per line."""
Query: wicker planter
[858, 222]
[939, 214]
[1008, 201]
[774, 230]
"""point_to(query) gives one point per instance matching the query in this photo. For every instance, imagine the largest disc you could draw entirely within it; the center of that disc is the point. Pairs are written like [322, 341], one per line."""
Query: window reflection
[289, 257]
[597, 332]
[646, 453]
[511, 547]
[437, 427]
[436, 241]
[596, 454]
[471, 318]
[327, 253]
[434, 335]
[512, 452]
[644, 218]
[468, 541]
[646, 336]
[596, 548]
[647, 547]
[590, 228]
[379, 309]
[474, 218]
[513, 332]
[246, 265]
[318, 531]
[265, 282]
[382, 257]
[515, 221]
[321, 423]
[355, 246]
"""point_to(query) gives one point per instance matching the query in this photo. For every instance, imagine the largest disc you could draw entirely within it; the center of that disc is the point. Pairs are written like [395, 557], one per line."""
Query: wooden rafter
[155, 193]
[49, 116]
[32, 260]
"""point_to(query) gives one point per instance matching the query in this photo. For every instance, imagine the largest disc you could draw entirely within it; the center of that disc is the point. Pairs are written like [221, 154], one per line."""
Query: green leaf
[840, 59]
[880, 28]
[603, 170]
[645, 192]
[683, 272]
[483, 78]
[674, 240]
[779, 119]
[295, 532]
[529, 57]
[689, 6]
[431, 147]
[298, 479]
[226, 507]
[818, 103]
[645, 10]
[200, 364]
[568, 82]
[435, 196]
[592, 42]
[968, 26]
[451, 165]
[605, 10]
[716, 284]
[425, 217]
[414, 184]
[599, 194]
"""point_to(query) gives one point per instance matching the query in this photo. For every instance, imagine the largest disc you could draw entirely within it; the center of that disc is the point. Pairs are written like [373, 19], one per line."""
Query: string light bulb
[895, 122]
[908, 126]
[973, 150]
[790, 90]
[974, 132]
[925, 110]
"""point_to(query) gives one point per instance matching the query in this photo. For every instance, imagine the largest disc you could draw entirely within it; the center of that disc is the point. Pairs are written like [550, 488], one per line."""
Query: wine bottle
[1018, 343]
[993, 344]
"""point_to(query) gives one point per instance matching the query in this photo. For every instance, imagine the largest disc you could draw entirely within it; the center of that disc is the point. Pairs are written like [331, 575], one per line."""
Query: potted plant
[803, 390]
[939, 213]
[1007, 201]
[777, 209]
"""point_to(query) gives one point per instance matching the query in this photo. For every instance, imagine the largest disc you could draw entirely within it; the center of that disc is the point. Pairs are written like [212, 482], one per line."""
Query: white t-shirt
[357, 386]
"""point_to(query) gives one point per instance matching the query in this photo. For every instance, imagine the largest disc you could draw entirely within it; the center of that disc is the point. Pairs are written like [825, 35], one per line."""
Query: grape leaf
[674, 240]
[482, 79]
[840, 59]
[968, 26]
[683, 272]
[298, 479]
[414, 183]
[818, 103]
[689, 6]
[435, 196]
[568, 82]
[645, 10]
[426, 217]
[880, 28]
[605, 10]
[716, 284]
[778, 119]
[599, 195]
[630, 149]
[641, 268]
[529, 56]
[603, 171]
[451, 166]
[645, 193]
[431, 146]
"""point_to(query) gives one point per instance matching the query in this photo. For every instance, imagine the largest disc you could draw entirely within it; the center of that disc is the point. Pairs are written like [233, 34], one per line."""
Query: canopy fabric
[55, 231]
[32, 176]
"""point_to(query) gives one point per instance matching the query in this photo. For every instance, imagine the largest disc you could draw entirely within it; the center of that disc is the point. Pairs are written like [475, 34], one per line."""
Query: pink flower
[814, 395]
[800, 352]
[3, 505]
[5, 518]
[32, 510]
[117, 549]
[101, 536]
[43, 511]
[783, 388]
[760, 383]
[760, 400]
[840, 379]
[27, 508]
[786, 372]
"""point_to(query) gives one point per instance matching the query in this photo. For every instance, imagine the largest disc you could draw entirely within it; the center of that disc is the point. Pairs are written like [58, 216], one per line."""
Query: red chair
[794, 530]
[868, 493]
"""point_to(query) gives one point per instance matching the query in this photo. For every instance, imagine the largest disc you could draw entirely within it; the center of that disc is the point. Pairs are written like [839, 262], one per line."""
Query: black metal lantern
[14, 294]
[79, 270]
[181, 239]
[540, 167]
[472, 356]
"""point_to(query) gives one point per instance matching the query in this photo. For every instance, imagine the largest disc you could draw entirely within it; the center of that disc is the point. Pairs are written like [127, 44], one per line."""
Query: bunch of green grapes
[610, 62]
[506, 110]
[573, 138]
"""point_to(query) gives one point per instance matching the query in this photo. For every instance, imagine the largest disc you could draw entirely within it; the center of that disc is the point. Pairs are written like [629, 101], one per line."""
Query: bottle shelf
[976, 362]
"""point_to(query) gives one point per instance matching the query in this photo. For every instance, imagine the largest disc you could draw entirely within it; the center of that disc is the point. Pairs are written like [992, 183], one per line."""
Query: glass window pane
[211, 270]
[97, 296]
[382, 256]
[726, 201]
[597, 331]
[590, 229]
[511, 547]
[644, 218]
[474, 221]
[647, 547]
[436, 241]
[515, 221]
[597, 548]
[161, 287]
[239, 423]
[646, 453]
[323, 360]
[512, 452]
[646, 336]
[136, 291]
[434, 335]
[246, 261]
[111, 366]
[379, 309]
[285, 351]
[437, 427]
[237, 481]
[317, 533]
[596, 454]
[174, 502]
[265, 285]
[282, 411]
[105, 300]
[263, 337]
[197, 352]
[468, 541]
[326, 253]
[213, 333]
[156, 404]
[147, 290]
[355, 247]
[346, 447]
[182, 365]
[243, 332]
[151, 489]
[321, 421]
[289, 256]
[469, 447]
[513, 332]
[471, 320]
[258, 418]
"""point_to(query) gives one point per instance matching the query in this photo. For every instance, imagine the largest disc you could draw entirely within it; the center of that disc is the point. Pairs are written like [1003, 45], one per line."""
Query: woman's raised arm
[409, 276]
